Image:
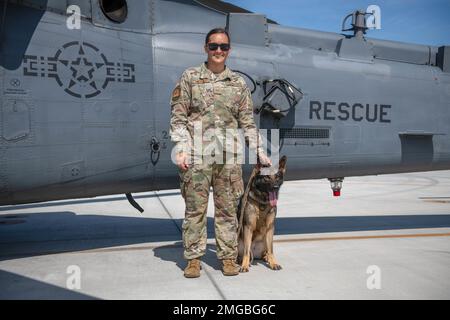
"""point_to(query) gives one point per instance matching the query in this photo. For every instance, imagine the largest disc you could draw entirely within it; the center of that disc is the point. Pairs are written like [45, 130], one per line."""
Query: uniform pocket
[185, 179]
[230, 97]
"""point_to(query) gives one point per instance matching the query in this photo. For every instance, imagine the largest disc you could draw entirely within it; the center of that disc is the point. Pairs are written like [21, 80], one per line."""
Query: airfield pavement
[386, 237]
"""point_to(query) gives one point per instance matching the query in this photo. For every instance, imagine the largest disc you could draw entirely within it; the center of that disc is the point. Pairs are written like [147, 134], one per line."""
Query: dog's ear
[282, 164]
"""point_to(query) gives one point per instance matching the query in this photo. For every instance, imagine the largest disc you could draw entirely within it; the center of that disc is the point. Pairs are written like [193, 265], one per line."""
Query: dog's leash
[245, 197]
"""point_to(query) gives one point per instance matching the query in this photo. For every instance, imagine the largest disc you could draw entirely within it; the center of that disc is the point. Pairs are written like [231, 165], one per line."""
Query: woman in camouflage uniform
[211, 100]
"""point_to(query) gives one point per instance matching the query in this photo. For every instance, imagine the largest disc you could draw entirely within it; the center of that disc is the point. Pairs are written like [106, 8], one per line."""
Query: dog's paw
[270, 260]
[275, 266]
[244, 268]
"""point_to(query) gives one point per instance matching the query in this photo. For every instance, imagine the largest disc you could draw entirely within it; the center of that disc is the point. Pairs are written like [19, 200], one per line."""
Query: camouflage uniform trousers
[228, 187]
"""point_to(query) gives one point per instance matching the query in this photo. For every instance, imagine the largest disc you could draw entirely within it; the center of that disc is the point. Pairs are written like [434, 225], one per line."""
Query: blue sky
[417, 21]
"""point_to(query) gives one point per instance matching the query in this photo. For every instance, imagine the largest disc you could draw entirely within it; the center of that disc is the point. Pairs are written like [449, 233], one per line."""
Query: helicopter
[86, 85]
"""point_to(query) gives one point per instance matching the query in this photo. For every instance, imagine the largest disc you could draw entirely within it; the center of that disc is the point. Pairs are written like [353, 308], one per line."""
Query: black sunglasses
[214, 46]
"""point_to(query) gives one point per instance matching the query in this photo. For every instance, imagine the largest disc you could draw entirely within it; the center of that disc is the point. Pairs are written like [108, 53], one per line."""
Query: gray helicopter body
[85, 112]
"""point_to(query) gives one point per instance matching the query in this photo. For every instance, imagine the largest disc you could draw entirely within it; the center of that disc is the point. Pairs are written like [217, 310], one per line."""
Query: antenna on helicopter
[363, 20]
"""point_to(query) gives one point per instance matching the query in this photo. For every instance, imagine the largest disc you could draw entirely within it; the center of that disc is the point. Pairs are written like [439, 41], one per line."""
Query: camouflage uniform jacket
[220, 102]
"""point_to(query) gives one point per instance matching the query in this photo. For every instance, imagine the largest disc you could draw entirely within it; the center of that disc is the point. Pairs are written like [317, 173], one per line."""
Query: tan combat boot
[230, 267]
[193, 269]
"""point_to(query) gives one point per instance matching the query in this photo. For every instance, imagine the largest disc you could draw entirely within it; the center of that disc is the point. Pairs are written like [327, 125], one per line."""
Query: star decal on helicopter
[80, 69]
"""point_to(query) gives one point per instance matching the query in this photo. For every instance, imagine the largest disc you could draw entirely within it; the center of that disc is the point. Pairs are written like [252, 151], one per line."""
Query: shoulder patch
[176, 93]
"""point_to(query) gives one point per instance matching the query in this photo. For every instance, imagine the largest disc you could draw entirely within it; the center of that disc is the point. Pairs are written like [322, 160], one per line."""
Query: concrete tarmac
[386, 237]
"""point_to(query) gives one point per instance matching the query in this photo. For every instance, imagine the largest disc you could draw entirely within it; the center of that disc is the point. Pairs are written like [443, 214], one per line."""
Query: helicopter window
[115, 10]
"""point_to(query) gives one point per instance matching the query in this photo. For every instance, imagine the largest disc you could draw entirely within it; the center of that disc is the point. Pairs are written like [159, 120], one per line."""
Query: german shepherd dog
[257, 217]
